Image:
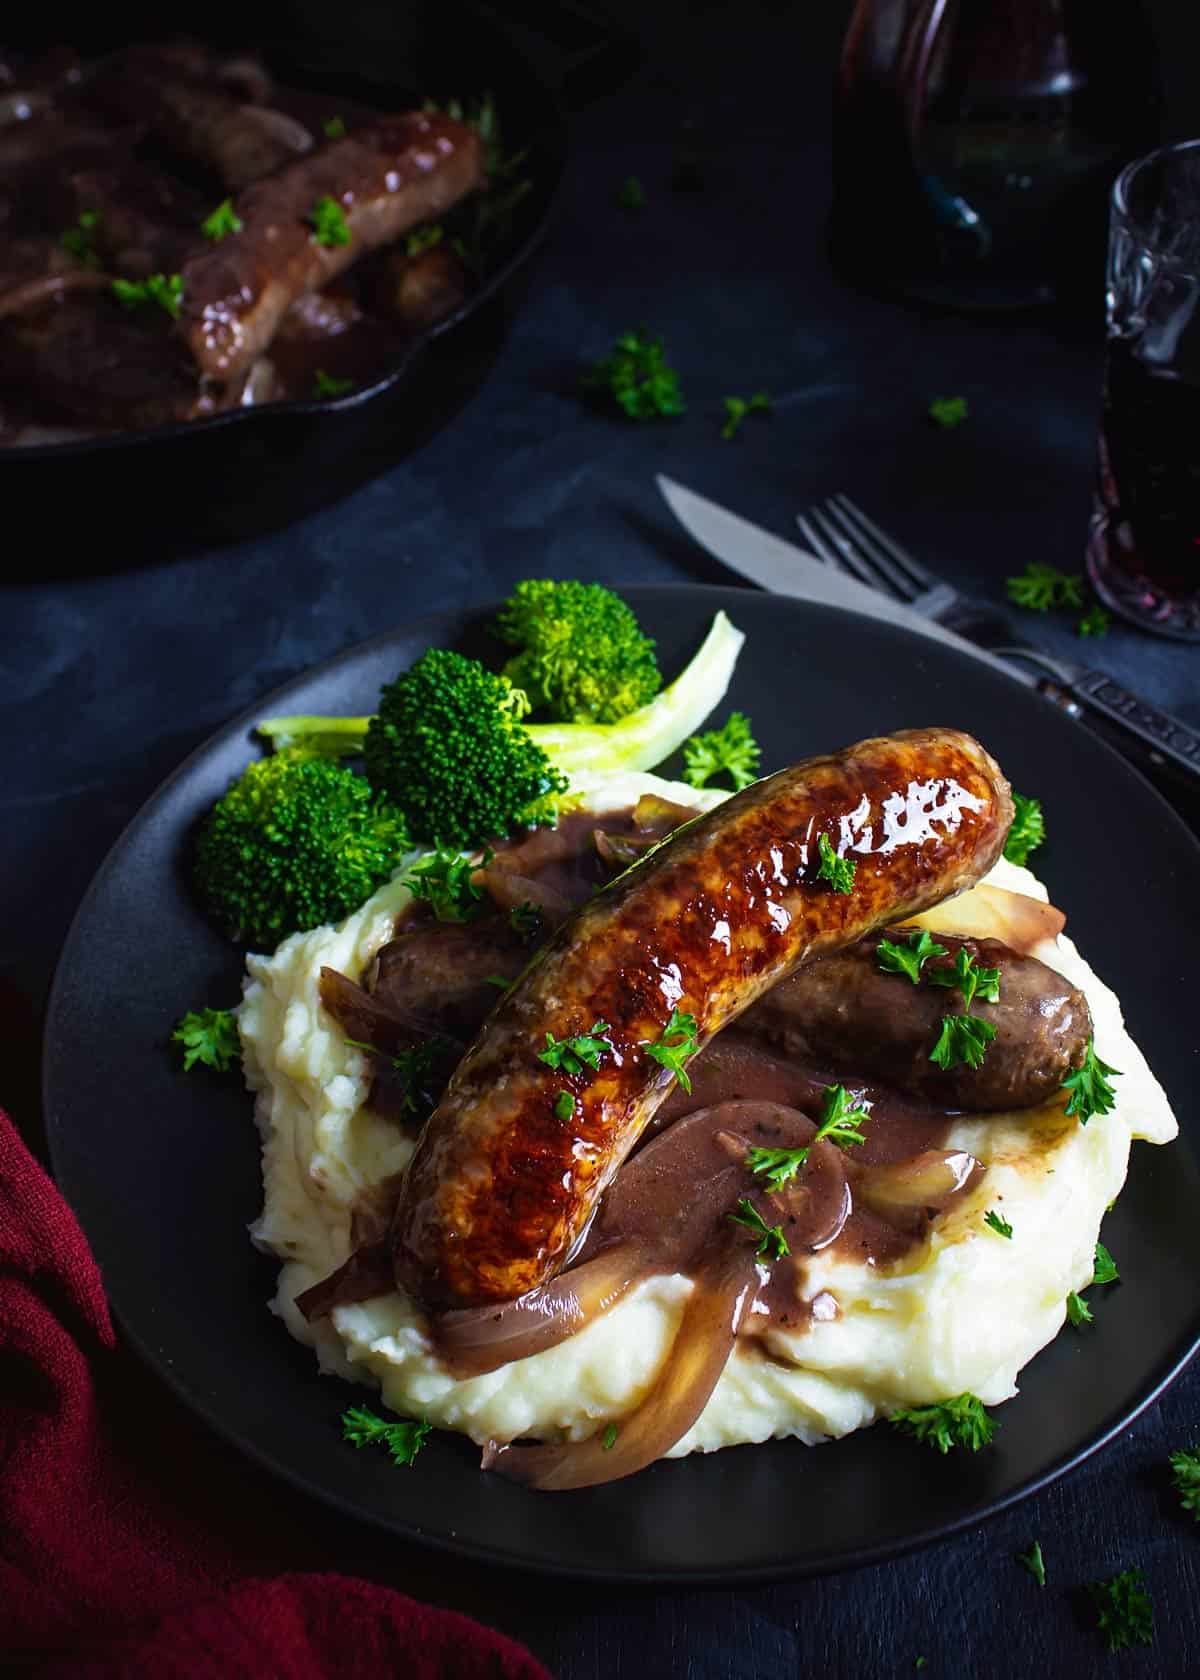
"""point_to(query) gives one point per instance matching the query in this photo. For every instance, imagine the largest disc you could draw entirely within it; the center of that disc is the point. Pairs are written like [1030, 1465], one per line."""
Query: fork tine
[832, 551]
[887, 575]
[849, 556]
[868, 528]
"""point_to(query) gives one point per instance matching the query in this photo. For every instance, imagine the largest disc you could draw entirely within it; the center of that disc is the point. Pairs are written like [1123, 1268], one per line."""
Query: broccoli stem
[316, 737]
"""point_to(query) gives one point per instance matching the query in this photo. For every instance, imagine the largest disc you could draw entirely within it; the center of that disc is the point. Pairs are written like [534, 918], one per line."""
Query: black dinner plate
[163, 1169]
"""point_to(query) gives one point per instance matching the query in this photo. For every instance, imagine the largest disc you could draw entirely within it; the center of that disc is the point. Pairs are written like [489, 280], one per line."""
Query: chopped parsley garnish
[948, 412]
[1185, 1473]
[444, 880]
[963, 1038]
[773, 1245]
[1001, 1226]
[210, 1037]
[609, 1438]
[334, 128]
[630, 194]
[1095, 621]
[572, 1055]
[1105, 1269]
[329, 223]
[838, 871]
[969, 978]
[1078, 1311]
[961, 1422]
[1028, 829]
[564, 1106]
[223, 221]
[1125, 1615]
[414, 1069]
[525, 919]
[906, 956]
[730, 750]
[675, 1045]
[424, 239]
[638, 378]
[1089, 1086]
[78, 241]
[326, 385]
[777, 1166]
[838, 1117]
[164, 289]
[737, 408]
[498, 981]
[1040, 587]
[403, 1438]
[1034, 1562]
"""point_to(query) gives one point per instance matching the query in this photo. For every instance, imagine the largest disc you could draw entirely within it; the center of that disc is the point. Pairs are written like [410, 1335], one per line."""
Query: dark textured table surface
[106, 682]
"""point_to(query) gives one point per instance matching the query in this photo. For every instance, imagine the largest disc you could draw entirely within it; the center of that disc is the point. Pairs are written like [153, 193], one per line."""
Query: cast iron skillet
[103, 503]
[163, 1168]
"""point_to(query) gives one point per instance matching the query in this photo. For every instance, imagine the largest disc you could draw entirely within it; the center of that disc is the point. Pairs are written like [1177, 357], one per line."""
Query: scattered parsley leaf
[906, 956]
[682, 1030]
[403, 1438]
[1078, 1311]
[1001, 1226]
[526, 919]
[1028, 829]
[414, 1069]
[737, 408]
[1124, 1611]
[164, 289]
[630, 194]
[564, 1106]
[329, 223]
[1095, 621]
[961, 1422]
[1105, 1269]
[948, 411]
[498, 981]
[334, 128]
[963, 1038]
[210, 1037]
[572, 1055]
[838, 1114]
[730, 750]
[1040, 587]
[773, 1245]
[970, 979]
[325, 385]
[636, 375]
[609, 1438]
[79, 241]
[444, 880]
[777, 1166]
[1090, 1090]
[1034, 1562]
[223, 221]
[838, 871]
[1185, 1473]
[424, 239]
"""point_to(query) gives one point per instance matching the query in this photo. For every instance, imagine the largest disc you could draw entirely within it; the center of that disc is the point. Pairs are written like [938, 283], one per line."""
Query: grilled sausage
[846, 1014]
[387, 176]
[501, 1188]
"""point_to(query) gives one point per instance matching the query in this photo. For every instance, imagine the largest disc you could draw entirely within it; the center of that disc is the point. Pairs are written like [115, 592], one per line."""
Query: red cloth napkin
[102, 1572]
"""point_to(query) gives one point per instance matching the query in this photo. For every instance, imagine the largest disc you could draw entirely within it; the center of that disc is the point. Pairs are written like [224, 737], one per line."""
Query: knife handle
[1173, 741]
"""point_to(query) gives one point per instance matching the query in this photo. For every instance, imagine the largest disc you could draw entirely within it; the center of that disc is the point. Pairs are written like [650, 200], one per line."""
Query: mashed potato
[965, 1310]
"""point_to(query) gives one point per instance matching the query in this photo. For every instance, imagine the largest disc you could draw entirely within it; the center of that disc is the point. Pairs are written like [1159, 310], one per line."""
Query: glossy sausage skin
[500, 1189]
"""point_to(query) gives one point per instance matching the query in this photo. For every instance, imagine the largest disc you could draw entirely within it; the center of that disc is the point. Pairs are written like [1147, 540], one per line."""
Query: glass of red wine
[1144, 545]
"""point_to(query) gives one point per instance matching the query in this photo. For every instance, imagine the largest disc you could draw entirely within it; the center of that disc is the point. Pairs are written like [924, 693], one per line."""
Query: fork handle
[1169, 739]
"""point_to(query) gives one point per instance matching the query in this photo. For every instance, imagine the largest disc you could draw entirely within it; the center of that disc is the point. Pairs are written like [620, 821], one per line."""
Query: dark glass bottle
[975, 142]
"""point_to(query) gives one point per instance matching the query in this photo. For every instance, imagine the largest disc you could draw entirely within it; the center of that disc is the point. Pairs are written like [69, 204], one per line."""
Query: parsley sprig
[730, 750]
[327, 385]
[334, 128]
[445, 881]
[773, 1245]
[572, 1055]
[966, 974]
[1040, 587]
[403, 1437]
[838, 871]
[1105, 1268]
[963, 1038]
[1185, 1473]
[907, 956]
[329, 224]
[1095, 621]
[564, 1106]
[675, 1045]
[948, 412]
[414, 1071]
[961, 1422]
[737, 408]
[223, 221]
[210, 1037]
[424, 239]
[80, 241]
[841, 1116]
[166, 290]
[526, 919]
[1034, 1562]
[1089, 1086]
[1078, 1311]
[1028, 829]
[1125, 1615]
[638, 378]
[998, 1223]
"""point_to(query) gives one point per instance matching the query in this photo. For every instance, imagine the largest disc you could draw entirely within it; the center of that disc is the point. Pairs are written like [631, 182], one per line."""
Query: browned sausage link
[500, 1188]
[387, 176]
[846, 1014]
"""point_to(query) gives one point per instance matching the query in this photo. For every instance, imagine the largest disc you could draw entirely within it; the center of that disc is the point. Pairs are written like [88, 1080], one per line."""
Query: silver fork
[842, 535]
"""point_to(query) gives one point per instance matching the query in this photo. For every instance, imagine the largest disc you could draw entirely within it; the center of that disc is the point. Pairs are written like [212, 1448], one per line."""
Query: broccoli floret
[581, 656]
[448, 747]
[293, 844]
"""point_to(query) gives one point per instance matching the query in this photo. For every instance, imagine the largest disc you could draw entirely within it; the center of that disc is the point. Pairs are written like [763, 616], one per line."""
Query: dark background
[107, 680]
